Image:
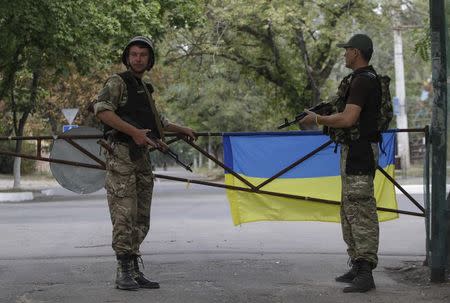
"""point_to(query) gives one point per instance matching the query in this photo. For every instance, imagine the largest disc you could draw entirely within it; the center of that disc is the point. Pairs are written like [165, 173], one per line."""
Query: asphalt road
[57, 249]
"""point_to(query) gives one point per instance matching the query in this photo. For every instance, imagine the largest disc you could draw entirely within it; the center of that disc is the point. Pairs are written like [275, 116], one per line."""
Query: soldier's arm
[359, 92]
[108, 100]
[171, 127]
[139, 135]
[345, 119]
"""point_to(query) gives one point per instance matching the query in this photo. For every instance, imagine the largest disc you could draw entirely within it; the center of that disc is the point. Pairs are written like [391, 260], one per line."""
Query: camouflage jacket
[114, 95]
[342, 135]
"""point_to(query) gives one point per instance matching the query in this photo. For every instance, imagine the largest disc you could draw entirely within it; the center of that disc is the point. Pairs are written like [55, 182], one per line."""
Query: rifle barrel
[289, 123]
[320, 108]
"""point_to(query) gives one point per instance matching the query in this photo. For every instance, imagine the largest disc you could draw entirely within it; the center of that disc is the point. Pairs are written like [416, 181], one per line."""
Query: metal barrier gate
[424, 211]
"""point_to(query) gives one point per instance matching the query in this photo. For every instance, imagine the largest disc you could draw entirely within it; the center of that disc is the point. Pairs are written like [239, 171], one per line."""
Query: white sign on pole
[70, 114]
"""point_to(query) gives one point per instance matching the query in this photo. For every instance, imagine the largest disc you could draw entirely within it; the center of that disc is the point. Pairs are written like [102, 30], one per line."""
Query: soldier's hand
[189, 133]
[309, 121]
[162, 145]
[140, 138]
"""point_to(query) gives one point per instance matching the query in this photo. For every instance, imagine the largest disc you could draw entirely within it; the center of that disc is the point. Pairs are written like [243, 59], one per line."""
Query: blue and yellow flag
[258, 156]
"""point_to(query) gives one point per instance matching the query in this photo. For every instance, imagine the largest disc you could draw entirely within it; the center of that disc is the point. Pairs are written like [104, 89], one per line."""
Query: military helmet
[141, 40]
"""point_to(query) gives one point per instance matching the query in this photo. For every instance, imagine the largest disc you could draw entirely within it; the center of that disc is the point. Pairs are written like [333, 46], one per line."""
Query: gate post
[439, 207]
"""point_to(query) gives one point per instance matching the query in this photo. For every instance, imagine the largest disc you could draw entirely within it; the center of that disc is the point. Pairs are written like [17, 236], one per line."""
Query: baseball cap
[358, 41]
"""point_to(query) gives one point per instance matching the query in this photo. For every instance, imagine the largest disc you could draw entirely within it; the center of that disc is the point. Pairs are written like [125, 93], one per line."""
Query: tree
[252, 63]
[265, 60]
[289, 44]
[49, 39]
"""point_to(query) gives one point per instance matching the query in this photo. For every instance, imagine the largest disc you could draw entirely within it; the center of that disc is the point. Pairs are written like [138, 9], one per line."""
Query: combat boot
[350, 275]
[139, 277]
[363, 281]
[124, 279]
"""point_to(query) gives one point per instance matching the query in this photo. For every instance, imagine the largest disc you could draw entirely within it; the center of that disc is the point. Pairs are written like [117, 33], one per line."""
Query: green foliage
[44, 41]
[252, 63]
[84, 32]
[221, 65]
[423, 45]
[206, 102]
[7, 162]
[182, 13]
[53, 37]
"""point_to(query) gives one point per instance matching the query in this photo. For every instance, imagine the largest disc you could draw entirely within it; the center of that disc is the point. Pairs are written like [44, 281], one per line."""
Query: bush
[7, 161]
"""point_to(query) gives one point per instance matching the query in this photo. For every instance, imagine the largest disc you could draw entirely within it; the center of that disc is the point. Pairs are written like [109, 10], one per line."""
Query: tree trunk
[18, 150]
[53, 124]
[9, 74]
[19, 129]
[16, 172]
[308, 69]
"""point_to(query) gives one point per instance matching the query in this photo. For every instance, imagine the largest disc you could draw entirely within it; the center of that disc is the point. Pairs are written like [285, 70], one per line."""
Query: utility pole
[402, 118]
[439, 206]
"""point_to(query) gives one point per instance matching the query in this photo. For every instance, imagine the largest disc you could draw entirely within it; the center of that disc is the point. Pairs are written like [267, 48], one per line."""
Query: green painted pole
[447, 40]
[439, 208]
[427, 198]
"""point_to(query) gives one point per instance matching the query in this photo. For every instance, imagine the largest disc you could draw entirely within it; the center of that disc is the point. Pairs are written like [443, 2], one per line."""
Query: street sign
[68, 127]
[78, 179]
[70, 114]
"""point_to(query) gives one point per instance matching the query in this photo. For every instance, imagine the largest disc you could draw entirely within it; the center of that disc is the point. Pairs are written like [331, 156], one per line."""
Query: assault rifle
[170, 153]
[134, 148]
[321, 109]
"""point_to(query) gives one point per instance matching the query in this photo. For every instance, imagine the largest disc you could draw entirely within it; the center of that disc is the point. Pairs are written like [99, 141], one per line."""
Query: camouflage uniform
[129, 184]
[359, 217]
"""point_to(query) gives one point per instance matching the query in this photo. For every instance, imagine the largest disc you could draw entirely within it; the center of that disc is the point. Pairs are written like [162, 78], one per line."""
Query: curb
[16, 197]
[416, 189]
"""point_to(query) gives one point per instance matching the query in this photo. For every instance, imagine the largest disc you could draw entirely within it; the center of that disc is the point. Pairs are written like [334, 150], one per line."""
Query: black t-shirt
[365, 92]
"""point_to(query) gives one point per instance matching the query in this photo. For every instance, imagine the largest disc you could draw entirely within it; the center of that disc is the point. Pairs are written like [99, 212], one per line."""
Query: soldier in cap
[126, 108]
[354, 127]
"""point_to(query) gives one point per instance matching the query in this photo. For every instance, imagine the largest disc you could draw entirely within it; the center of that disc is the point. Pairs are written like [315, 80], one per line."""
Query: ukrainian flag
[258, 156]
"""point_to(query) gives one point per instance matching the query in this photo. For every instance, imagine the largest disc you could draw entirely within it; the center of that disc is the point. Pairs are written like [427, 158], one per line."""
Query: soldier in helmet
[126, 108]
[355, 128]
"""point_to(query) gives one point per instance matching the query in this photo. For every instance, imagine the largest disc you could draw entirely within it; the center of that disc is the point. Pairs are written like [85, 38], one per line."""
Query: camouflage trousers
[129, 187]
[359, 219]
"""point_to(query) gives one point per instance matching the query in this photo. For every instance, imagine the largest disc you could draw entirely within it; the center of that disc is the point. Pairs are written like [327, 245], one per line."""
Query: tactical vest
[138, 110]
[353, 133]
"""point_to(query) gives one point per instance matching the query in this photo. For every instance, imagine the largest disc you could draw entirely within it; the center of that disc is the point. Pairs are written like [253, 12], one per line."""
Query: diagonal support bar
[85, 151]
[401, 189]
[285, 170]
[276, 194]
[207, 155]
[73, 163]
